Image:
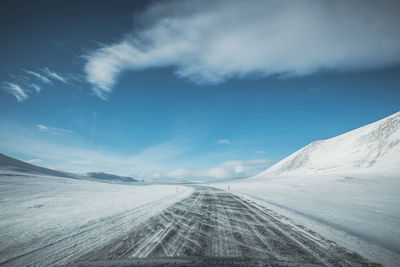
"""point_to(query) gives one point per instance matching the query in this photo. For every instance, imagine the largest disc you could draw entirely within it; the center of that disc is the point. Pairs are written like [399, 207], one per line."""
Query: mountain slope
[374, 148]
[12, 164]
[9, 164]
[110, 177]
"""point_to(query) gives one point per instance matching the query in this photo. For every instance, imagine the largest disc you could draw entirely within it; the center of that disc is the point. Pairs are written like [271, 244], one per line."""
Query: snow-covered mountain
[372, 149]
[9, 164]
[110, 177]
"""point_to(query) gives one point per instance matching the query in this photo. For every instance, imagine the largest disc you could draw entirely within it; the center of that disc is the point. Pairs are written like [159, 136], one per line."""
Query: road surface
[214, 227]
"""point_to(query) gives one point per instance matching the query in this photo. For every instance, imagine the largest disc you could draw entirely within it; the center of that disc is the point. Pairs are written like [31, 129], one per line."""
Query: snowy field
[43, 219]
[360, 213]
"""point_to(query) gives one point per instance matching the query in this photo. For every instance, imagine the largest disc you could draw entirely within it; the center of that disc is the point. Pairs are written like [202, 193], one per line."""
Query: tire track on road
[213, 222]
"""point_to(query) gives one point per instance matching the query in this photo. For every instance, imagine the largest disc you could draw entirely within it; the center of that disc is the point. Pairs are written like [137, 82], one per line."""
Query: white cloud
[54, 75]
[211, 41]
[42, 128]
[228, 169]
[53, 130]
[224, 141]
[16, 90]
[38, 76]
[35, 86]
[33, 161]
[26, 81]
[80, 162]
[154, 162]
[75, 156]
[260, 152]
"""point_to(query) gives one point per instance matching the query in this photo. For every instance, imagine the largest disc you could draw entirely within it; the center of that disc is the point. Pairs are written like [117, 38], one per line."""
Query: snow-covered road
[216, 223]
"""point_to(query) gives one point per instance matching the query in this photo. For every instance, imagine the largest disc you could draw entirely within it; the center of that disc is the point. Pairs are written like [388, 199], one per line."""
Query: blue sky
[165, 90]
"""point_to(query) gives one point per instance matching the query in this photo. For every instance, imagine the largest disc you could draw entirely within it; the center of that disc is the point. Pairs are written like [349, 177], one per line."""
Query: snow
[346, 187]
[374, 148]
[36, 210]
[366, 208]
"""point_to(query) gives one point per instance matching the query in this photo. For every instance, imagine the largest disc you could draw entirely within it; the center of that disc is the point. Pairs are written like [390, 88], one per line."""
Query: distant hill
[12, 164]
[15, 165]
[374, 148]
[110, 177]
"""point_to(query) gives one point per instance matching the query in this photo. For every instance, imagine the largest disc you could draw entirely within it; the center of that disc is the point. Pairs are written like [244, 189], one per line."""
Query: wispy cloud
[54, 75]
[228, 169]
[38, 76]
[75, 156]
[80, 162]
[16, 90]
[53, 130]
[34, 161]
[35, 86]
[33, 80]
[224, 142]
[260, 152]
[212, 41]
[154, 162]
